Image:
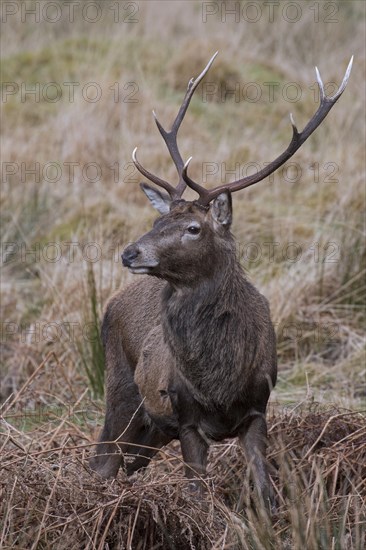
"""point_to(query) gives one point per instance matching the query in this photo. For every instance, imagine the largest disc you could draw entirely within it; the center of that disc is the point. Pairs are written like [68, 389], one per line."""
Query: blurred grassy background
[71, 202]
[147, 51]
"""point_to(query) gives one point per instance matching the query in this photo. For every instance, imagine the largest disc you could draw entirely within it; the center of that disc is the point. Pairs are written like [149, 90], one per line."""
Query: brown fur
[151, 380]
[190, 351]
[200, 335]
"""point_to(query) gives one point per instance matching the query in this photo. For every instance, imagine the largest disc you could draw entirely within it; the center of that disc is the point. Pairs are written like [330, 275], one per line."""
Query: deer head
[185, 243]
[202, 226]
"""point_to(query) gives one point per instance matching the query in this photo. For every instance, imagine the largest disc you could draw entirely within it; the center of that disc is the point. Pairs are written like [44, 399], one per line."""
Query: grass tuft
[90, 347]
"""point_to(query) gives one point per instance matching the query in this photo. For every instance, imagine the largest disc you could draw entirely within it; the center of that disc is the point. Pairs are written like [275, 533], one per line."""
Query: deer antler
[298, 138]
[170, 139]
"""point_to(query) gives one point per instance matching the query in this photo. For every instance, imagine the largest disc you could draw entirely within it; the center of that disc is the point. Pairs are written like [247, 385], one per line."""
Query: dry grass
[50, 498]
[50, 308]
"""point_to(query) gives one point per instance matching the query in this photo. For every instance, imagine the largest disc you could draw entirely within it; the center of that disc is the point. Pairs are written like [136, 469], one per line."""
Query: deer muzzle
[136, 261]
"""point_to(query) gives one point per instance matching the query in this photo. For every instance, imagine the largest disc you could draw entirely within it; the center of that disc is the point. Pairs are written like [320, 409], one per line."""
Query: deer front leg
[151, 440]
[124, 425]
[125, 414]
[194, 451]
[194, 446]
[253, 439]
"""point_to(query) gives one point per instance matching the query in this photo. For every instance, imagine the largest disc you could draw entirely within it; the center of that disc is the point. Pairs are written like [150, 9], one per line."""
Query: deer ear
[160, 201]
[221, 209]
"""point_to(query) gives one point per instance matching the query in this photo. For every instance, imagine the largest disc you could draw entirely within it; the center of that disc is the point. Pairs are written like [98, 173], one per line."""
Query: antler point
[320, 83]
[293, 123]
[187, 163]
[348, 71]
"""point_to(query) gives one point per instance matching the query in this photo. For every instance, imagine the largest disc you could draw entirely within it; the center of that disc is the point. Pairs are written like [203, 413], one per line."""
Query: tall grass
[91, 349]
[49, 284]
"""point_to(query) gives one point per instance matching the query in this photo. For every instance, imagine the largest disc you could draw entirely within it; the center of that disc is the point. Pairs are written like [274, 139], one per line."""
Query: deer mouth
[135, 262]
[143, 270]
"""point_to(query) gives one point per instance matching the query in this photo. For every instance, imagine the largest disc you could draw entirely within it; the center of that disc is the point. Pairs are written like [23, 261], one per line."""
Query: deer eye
[193, 229]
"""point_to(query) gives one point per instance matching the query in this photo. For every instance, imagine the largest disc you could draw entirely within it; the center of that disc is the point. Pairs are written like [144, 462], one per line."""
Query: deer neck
[198, 327]
[222, 274]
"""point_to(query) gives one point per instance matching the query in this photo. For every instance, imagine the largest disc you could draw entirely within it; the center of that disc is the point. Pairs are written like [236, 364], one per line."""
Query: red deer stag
[190, 349]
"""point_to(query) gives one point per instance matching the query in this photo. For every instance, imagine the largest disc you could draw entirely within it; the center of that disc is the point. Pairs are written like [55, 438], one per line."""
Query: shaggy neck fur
[212, 331]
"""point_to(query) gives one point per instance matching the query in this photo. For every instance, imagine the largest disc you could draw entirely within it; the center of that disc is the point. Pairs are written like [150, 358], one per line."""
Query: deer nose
[130, 254]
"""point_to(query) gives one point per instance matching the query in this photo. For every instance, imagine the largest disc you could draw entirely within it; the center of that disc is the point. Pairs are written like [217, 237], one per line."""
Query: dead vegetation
[52, 407]
[50, 498]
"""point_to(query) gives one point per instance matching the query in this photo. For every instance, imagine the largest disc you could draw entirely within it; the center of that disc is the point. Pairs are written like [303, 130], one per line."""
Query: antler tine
[170, 138]
[298, 138]
[342, 87]
[162, 183]
[204, 194]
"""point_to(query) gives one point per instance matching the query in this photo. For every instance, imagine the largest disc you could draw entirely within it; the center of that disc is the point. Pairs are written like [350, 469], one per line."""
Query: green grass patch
[90, 347]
